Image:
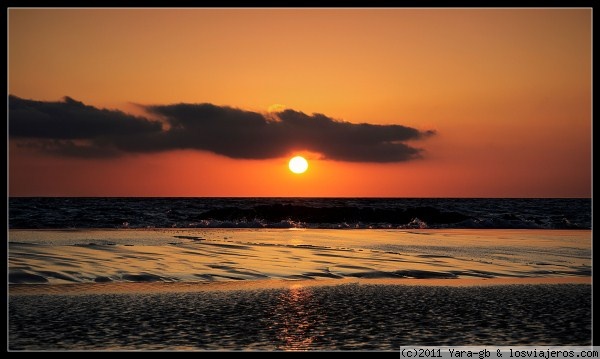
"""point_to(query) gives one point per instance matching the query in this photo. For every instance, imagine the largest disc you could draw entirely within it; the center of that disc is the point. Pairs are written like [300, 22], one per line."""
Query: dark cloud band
[71, 119]
[71, 128]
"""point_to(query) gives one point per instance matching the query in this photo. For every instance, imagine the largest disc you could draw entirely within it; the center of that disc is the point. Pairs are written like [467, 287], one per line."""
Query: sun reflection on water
[296, 319]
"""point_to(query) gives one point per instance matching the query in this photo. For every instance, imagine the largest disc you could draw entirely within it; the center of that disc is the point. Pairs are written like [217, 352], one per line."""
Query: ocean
[297, 273]
[330, 213]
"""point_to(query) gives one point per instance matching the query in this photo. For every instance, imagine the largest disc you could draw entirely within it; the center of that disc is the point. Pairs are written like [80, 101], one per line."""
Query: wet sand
[297, 290]
[298, 317]
[100, 256]
[179, 287]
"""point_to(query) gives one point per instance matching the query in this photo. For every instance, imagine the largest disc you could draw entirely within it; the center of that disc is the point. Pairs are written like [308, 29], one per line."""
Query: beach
[297, 289]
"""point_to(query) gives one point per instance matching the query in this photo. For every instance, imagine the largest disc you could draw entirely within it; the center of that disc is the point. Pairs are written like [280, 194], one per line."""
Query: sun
[298, 164]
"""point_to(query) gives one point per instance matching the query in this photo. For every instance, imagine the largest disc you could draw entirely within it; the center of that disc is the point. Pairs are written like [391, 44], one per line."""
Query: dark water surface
[517, 213]
[343, 317]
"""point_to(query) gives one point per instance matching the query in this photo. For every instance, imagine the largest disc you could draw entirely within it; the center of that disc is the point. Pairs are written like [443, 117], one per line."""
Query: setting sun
[298, 164]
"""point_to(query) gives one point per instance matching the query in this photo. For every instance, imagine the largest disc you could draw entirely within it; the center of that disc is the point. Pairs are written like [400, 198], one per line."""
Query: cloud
[70, 128]
[71, 119]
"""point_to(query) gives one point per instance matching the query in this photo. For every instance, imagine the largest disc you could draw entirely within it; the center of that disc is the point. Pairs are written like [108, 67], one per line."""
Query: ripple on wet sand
[350, 316]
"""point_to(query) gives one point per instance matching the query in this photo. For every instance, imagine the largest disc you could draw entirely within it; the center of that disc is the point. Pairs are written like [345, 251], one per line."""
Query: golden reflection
[296, 319]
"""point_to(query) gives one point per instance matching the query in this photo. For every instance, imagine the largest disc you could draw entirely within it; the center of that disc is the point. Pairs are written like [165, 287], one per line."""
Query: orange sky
[508, 92]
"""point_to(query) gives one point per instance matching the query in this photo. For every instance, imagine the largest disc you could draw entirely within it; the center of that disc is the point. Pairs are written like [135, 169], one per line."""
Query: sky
[396, 102]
